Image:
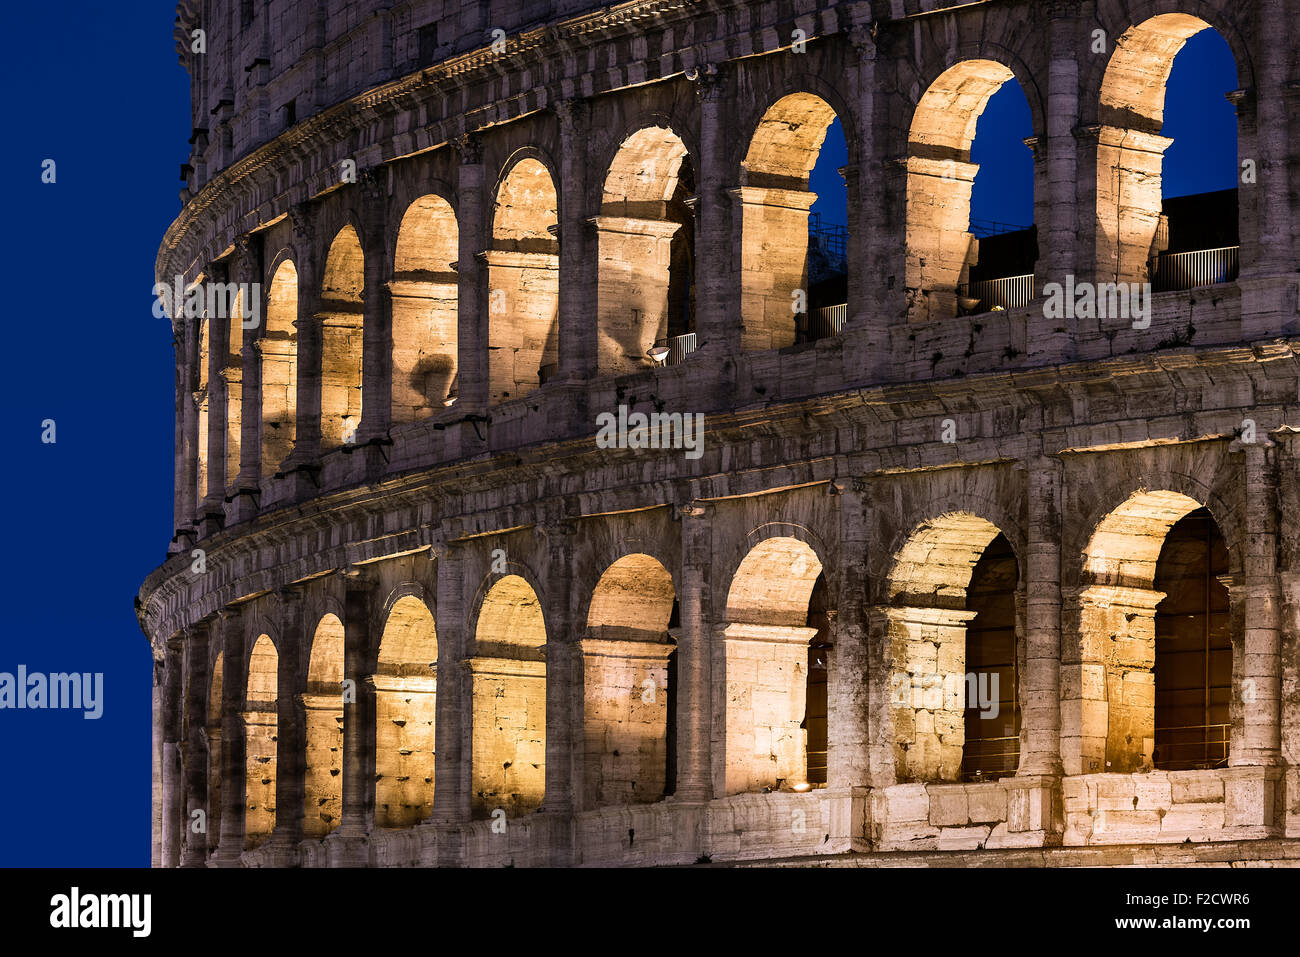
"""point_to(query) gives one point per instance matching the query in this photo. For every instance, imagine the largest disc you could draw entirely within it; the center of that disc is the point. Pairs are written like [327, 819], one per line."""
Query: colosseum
[536, 502]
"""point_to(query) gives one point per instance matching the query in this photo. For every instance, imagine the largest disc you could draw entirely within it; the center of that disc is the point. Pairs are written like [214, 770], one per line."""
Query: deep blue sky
[96, 87]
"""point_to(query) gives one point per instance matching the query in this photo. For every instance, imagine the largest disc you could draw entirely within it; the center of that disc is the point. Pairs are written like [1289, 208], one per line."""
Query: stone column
[1261, 662]
[234, 679]
[451, 770]
[246, 267]
[194, 849]
[186, 342]
[1040, 683]
[561, 706]
[377, 322]
[282, 848]
[578, 263]
[173, 779]
[156, 762]
[307, 424]
[694, 653]
[211, 510]
[1056, 178]
[632, 302]
[717, 297]
[773, 226]
[348, 843]
[848, 679]
[472, 377]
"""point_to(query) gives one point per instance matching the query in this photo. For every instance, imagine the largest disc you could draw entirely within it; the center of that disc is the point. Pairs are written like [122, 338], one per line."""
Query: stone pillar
[940, 249]
[451, 791]
[473, 381]
[520, 330]
[377, 322]
[624, 720]
[156, 762]
[349, 841]
[694, 655]
[773, 248]
[632, 301]
[848, 773]
[866, 330]
[185, 341]
[1128, 202]
[717, 316]
[1040, 682]
[234, 678]
[194, 850]
[307, 424]
[578, 263]
[211, 510]
[173, 778]
[282, 848]
[561, 663]
[1261, 662]
[1056, 178]
[246, 267]
[1268, 264]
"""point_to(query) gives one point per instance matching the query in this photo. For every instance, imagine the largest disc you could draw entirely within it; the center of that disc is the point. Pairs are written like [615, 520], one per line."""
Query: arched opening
[646, 248]
[948, 249]
[1174, 222]
[626, 692]
[953, 627]
[762, 696]
[1125, 620]
[424, 291]
[523, 283]
[406, 684]
[508, 674]
[793, 267]
[232, 374]
[1193, 647]
[278, 348]
[992, 721]
[816, 729]
[260, 732]
[323, 704]
[340, 318]
[213, 730]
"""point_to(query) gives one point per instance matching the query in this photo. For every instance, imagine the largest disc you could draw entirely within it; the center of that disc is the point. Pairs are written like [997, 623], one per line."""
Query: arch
[508, 691]
[763, 693]
[278, 348]
[1108, 716]
[628, 696]
[645, 247]
[523, 281]
[953, 584]
[405, 683]
[425, 308]
[323, 704]
[940, 176]
[341, 333]
[260, 732]
[774, 210]
[202, 402]
[1130, 228]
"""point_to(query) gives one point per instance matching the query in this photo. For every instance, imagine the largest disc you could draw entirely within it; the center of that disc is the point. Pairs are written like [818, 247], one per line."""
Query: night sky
[97, 88]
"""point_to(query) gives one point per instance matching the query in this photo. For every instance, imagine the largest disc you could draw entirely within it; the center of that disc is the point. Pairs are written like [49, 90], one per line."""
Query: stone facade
[414, 614]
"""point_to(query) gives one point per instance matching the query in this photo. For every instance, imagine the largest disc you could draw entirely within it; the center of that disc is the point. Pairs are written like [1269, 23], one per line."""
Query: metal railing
[833, 239]
[986, 759]
[1007, 293]
[984, 228]
[1201, 746]
[817, 764]
[1202, 267]
[827, 321]
[679, 347]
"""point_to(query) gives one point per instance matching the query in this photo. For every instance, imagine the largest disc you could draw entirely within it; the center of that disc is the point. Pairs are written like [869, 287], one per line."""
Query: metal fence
[679, 347]
[1192, 747]
[1202, 267]
[1007, 293]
